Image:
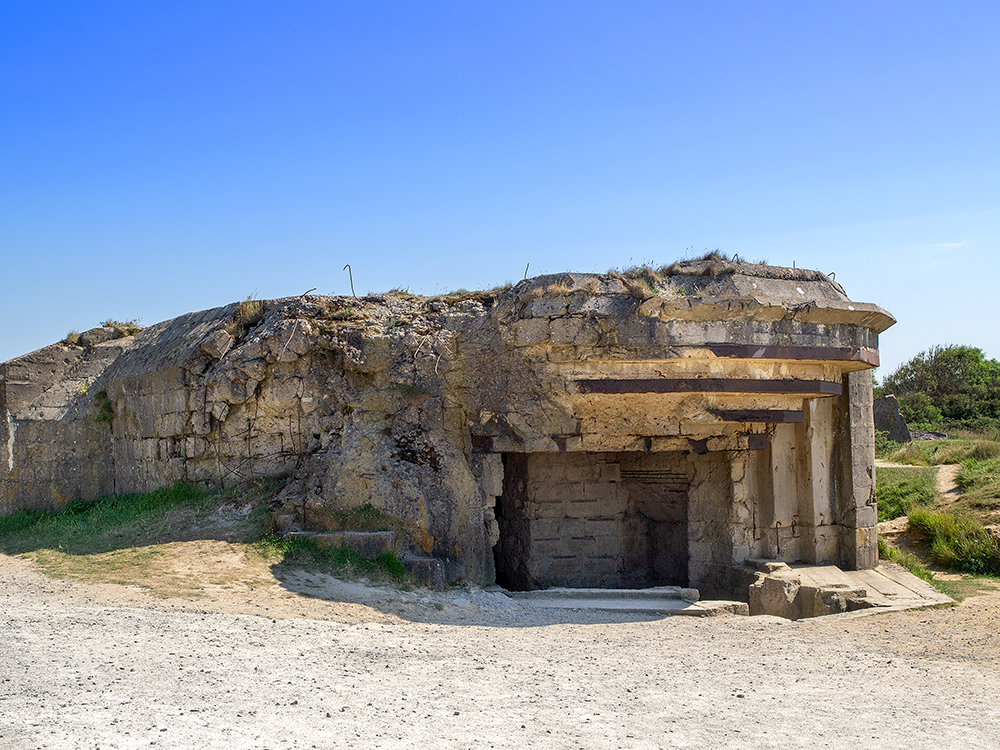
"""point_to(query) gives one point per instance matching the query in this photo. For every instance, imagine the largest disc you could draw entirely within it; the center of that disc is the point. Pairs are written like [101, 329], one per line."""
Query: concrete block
[586, 508]
[554, 492]
[610, 472]
[547, 511]
[530, 332]
[429, 571]
[610, 495]
[547, 528]
[573, 332]
[548, 307]
[889, 420]
[175, 424]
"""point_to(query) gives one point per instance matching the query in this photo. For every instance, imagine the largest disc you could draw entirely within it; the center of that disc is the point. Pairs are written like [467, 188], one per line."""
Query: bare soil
[255, 656]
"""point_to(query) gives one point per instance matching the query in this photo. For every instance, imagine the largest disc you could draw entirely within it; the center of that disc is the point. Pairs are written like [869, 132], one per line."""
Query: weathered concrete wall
[50, 455]
[755, 376]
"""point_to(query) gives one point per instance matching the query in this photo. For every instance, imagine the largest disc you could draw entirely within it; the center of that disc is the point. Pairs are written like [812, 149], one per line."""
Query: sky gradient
[161, 158]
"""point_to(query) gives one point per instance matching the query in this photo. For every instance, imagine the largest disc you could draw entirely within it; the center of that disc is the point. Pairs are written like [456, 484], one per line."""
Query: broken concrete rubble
[657, 427]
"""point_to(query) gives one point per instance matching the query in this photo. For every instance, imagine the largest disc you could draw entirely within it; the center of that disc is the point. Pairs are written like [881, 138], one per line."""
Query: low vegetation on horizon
[956, 390]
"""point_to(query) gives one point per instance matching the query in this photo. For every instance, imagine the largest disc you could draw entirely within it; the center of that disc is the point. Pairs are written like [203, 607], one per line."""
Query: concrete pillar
[742, 521]
[762, 496]
[785, 458]
[856, 496]
[818, 534]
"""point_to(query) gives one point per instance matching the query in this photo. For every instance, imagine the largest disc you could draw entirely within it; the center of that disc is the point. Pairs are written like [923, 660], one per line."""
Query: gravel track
[86, 666]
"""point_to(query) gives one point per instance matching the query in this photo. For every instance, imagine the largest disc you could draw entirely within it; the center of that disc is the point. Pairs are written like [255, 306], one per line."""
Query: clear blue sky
[158, 158]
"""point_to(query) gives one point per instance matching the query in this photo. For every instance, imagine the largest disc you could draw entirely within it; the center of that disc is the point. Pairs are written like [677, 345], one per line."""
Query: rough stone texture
[444, 412]
[889, 420]
[856, 501]
[780, 591]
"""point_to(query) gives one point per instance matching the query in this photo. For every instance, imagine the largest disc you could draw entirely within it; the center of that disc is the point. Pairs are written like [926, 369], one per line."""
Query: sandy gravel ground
[104, 666]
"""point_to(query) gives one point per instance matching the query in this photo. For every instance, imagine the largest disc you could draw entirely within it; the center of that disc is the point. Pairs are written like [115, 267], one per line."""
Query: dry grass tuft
[248, 313]
[124, 327]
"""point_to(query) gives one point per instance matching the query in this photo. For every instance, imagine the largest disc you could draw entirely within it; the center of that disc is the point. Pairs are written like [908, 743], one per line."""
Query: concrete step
[662, 600]
[656, 592]
[797, 591]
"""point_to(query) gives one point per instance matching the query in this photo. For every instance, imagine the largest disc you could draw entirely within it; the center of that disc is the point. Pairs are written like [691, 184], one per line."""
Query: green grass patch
[912, 563]
[950, 451]
[957, 541]
[884, 447]
[901, 490]
[100, 525]
[341, 562]
[128, 539]
[979, 479]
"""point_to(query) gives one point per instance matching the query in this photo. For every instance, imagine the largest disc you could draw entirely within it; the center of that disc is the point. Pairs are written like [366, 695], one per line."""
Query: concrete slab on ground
[889, 586]
[664, 600]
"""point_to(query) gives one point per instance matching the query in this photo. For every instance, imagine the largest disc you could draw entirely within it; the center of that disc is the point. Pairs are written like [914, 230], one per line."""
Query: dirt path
[945, 482]
[105, 666]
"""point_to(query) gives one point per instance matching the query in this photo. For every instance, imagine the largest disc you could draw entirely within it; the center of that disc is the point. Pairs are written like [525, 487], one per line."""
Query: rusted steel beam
[830, 353]
[774, 416]
[710, 385]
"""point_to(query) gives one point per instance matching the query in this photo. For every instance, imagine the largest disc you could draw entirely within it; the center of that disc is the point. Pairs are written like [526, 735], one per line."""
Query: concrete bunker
[656, 426]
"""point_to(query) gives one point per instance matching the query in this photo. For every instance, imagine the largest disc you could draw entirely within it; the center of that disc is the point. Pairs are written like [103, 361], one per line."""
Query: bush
[958, 541]
[954, 385]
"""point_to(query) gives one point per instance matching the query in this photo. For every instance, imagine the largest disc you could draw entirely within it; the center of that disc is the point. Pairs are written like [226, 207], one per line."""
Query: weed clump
[248, 313]
[105, 409]
[342, 562]
[123, 327]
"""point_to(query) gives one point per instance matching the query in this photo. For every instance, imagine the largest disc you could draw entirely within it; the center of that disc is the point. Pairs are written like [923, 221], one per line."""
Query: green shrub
[958, 541]
[948, 385]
